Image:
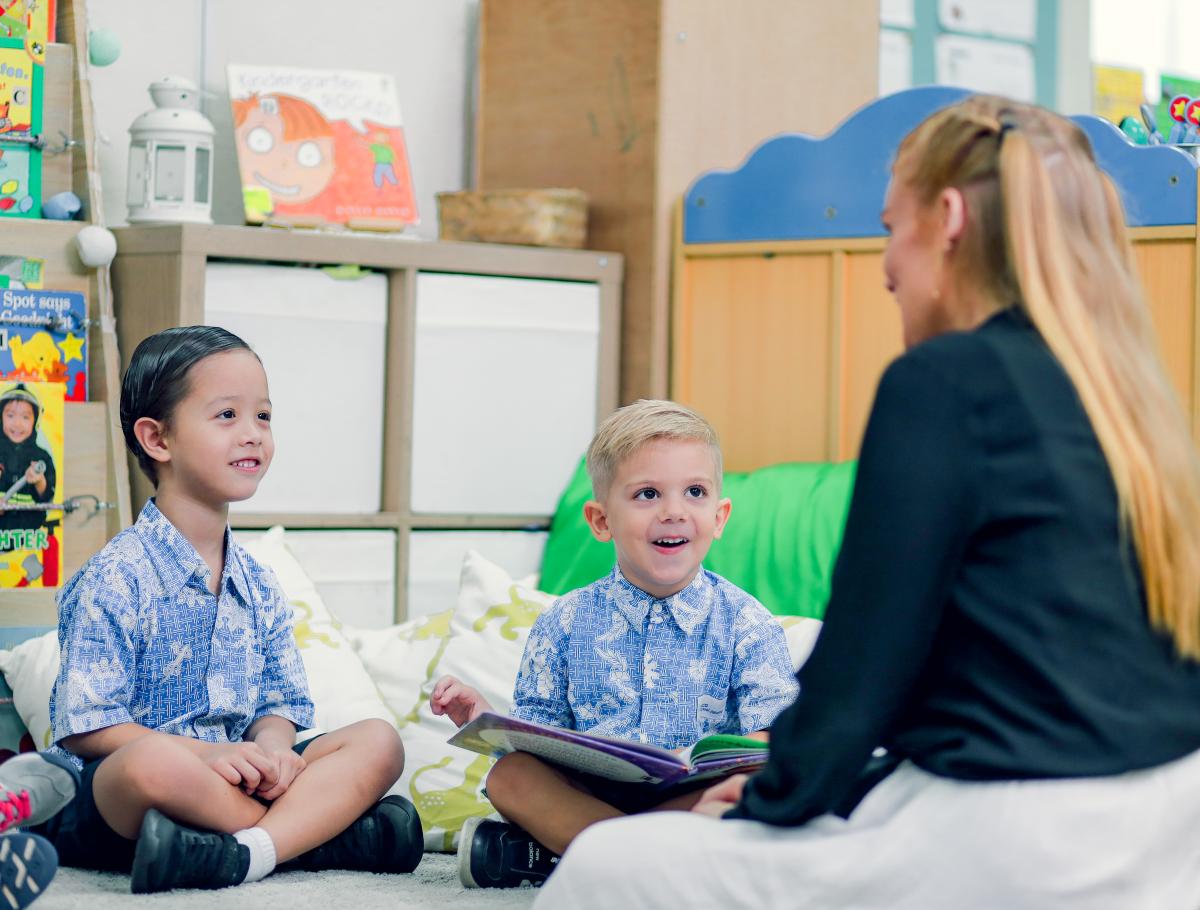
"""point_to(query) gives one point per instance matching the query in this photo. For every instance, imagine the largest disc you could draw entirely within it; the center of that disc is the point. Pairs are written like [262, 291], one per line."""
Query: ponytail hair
[1046, 231]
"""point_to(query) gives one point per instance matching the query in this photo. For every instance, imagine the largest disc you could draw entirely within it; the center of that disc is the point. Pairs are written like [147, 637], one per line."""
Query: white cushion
[30, 670]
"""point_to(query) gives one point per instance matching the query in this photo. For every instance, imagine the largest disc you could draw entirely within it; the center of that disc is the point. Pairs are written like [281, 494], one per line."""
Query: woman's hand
[719, 799]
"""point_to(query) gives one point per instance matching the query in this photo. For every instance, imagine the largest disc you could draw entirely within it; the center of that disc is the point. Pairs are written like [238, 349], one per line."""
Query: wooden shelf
[160, 276]
[94, 447]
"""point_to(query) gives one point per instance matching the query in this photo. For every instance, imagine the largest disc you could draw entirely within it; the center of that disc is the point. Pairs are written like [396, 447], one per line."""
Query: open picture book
[615, 759]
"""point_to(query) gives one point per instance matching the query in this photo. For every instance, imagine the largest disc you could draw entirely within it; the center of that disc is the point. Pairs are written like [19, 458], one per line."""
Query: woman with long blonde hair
[1015, 612]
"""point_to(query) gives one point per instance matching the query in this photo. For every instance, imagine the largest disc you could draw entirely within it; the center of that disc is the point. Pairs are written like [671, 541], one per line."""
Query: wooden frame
[94, 452]
[160, 275]
[781, 324]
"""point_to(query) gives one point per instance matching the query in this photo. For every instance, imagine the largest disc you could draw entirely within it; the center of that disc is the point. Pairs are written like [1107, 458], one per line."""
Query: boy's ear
[724, 507]
[151, 436]
[597, 519]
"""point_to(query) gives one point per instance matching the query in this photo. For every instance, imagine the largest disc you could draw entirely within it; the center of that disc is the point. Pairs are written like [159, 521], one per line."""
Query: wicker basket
[543, 217]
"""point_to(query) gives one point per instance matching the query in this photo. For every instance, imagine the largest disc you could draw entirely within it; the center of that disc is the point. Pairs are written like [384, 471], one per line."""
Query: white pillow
[342, 691]
[481, 642]
[30, 670]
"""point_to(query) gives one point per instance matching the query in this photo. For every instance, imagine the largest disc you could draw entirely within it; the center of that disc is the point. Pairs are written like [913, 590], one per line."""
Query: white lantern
[170, 157]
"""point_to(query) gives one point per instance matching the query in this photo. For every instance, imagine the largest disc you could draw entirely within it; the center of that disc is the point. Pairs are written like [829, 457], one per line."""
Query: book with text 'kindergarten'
[608, 757]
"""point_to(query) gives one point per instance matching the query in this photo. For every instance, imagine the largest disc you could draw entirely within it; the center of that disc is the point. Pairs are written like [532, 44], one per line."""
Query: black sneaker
[169, 855]
[386, 838]
[27, 864]
[34, 786]
[499, 855]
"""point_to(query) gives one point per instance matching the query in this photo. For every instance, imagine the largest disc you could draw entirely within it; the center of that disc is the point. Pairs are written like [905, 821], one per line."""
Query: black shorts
[84, 839]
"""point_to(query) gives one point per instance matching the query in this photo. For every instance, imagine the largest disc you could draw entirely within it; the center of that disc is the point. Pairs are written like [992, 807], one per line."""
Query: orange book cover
[320, 147]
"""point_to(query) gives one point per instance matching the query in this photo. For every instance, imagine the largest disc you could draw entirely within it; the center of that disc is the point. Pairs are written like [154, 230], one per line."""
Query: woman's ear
[953, 206]
[151, 436]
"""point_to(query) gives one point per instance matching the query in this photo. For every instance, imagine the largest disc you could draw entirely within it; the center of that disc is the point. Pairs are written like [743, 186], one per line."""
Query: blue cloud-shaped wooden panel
[796, 187]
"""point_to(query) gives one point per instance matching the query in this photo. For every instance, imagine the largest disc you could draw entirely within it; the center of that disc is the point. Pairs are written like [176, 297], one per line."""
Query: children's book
[31, 462]
[320, 147]
[20, 131]
[30, 21]
[615, 759]
[43, 338]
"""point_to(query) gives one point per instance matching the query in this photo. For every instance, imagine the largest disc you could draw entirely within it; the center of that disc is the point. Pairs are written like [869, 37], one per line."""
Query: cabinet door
[504, 395]
[435, 562]
[322, 343]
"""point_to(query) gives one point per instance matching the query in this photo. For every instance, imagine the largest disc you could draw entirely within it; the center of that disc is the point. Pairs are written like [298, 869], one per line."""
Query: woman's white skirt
[1129, 842]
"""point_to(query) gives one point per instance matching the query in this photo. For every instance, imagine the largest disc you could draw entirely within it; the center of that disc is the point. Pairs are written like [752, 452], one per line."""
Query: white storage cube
[322, 342]
[435, 562]
[353, 571]
[504, 394]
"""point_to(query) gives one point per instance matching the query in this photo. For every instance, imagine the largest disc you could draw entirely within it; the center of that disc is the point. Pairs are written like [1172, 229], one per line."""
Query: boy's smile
[662, 512]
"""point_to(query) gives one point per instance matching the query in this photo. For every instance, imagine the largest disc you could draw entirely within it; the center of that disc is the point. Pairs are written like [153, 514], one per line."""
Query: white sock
[262, 853]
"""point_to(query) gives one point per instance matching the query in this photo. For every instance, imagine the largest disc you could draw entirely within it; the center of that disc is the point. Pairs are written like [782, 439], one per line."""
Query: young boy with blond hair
[660, 650]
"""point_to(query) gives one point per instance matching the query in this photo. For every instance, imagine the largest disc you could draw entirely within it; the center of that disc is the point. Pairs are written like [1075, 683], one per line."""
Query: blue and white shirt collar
[176, 561]
[688, 607]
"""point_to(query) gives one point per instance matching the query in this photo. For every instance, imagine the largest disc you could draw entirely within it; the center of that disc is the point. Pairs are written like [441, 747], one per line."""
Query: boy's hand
[290, 765]
[458, 701]
[32, 475]
[720, 798]
[245, 765]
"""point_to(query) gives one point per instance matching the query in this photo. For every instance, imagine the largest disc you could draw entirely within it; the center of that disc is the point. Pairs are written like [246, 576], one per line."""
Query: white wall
[428, 45]
[1151, 35]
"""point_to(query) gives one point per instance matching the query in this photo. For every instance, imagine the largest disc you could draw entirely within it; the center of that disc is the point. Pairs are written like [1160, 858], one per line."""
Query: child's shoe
[27, 864]
[169, 855]
[499, 855]
[34, 786]
[386, 838]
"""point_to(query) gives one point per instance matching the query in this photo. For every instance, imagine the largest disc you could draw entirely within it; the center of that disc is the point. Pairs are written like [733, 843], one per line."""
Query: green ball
[104, 47]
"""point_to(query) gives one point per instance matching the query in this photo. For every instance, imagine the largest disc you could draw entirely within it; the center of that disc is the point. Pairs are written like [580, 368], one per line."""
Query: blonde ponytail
[1049, 233]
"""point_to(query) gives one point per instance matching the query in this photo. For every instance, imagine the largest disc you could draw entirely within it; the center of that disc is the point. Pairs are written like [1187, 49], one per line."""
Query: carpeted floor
[433, 886]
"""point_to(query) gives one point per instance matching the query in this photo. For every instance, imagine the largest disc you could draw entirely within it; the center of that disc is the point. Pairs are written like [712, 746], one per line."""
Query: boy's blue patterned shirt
[143, 640]
[613, 660]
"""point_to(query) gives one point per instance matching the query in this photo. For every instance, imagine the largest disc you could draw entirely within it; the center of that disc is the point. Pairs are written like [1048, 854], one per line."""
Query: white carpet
[433, 886]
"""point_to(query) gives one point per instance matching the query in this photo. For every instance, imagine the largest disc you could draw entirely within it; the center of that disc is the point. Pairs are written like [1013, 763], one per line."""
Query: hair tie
[1005, 126]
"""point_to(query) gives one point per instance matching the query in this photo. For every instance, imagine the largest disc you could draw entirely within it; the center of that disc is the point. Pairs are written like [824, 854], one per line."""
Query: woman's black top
[987, 619]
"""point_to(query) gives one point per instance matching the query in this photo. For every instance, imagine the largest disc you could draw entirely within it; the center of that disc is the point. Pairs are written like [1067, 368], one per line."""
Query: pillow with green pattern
[780, 544]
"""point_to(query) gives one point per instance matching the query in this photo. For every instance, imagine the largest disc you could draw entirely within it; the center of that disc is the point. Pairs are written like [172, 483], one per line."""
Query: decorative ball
[104, 47]
[96, 246]
[61, 206]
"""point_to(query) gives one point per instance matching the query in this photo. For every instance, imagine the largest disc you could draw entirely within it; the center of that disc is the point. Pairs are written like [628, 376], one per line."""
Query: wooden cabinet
[629, 100]
[452, 389]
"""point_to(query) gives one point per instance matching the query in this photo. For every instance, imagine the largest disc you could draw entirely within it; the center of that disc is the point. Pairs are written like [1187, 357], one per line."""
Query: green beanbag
[780, 544]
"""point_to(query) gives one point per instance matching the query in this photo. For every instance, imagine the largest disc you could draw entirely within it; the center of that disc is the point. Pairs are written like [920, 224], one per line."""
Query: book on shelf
[319, 147]
[616, 759]
[20, 131]
[32, 22]
[31, 463]
[43, 338]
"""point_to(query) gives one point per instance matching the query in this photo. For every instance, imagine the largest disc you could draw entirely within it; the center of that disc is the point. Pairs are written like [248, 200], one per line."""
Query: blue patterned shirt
[144, 641]
[614, 660]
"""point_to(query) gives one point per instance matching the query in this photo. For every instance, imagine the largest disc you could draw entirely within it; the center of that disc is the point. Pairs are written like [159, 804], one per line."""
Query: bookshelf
[94, 459]
[563, 312]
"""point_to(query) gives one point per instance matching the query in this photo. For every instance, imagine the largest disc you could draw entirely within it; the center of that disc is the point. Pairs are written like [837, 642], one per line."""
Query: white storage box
[322, 343]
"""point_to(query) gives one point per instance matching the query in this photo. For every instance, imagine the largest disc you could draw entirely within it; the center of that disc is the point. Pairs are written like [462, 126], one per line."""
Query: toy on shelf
[171, 157]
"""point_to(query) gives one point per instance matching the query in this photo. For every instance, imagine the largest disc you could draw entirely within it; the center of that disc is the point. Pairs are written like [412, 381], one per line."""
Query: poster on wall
[999, 67]
[31, 460]
[1117, 92]
[321, 147]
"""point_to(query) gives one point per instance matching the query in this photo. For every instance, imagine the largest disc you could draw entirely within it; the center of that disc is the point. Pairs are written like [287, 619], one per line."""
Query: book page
[570, 755]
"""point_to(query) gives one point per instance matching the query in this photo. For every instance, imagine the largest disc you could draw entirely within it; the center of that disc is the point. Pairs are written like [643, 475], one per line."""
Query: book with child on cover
[615, 759]
[31, 461]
